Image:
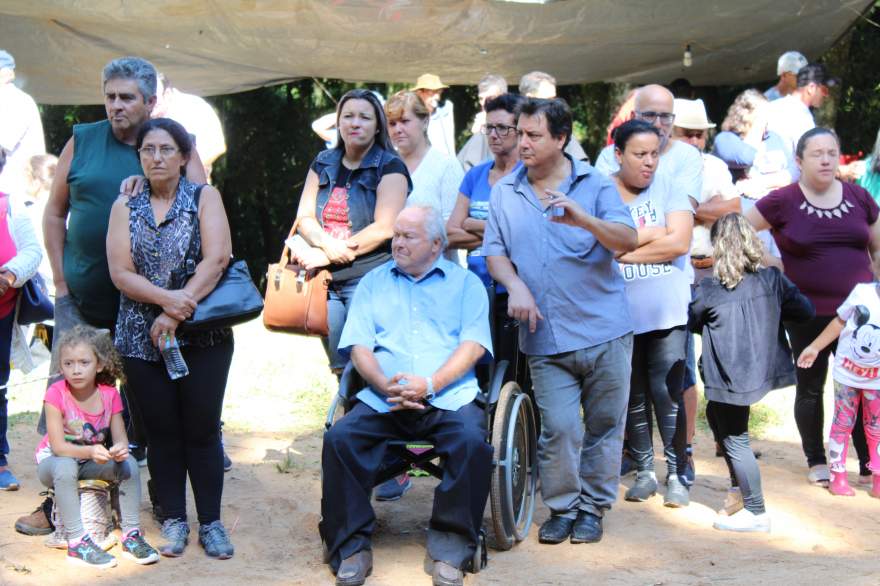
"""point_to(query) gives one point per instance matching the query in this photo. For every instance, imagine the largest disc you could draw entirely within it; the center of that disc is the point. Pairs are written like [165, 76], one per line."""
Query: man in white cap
[787, 69]
[791, 116]
[441, 128]
[21, 131]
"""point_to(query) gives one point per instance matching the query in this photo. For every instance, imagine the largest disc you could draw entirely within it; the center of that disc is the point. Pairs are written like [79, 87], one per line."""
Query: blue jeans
[339, 296]
[579, 461]
[5, 345]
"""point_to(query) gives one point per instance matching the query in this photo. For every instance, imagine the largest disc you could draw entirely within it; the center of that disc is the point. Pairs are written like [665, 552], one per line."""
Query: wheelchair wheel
[515, 476]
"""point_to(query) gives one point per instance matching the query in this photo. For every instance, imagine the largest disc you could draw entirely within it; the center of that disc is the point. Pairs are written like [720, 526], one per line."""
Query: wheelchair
[512, 432]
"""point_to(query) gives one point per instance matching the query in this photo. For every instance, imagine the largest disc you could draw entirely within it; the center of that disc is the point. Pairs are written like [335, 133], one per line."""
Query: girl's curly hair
[101, 344]
[738, 250]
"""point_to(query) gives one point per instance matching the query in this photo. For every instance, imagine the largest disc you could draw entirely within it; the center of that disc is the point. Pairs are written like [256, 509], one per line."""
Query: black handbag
[234, 300]
[35, 305]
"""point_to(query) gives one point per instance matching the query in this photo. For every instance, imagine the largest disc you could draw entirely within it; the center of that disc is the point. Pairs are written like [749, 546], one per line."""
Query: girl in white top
[436, 176]
[856, 379]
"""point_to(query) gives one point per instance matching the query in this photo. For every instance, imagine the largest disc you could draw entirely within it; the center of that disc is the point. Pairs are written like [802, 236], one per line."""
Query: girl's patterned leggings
[846, 405]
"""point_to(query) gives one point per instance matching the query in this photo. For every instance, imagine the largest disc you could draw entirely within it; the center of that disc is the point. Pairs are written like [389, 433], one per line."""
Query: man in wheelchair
[415, 330]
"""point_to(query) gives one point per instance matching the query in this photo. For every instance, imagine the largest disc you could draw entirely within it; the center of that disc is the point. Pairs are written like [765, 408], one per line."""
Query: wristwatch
[429, 392]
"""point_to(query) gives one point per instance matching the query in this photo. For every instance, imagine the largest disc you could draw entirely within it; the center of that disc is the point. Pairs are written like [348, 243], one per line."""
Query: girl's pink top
[80, 427]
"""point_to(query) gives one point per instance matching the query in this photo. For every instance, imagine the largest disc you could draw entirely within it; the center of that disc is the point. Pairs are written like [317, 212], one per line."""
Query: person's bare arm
[60, 446]
[180, 304]
[119, 448]
[368, 367]
[412, 389]
[459, 236]
[758, 222]
[676, 242]
[829, 334]
[55, 219]
[715, 207]
[216, 244]
[390, 199]
[520, 302]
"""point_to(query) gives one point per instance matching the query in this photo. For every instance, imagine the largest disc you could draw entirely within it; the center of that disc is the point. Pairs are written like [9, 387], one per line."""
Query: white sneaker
[743, 521]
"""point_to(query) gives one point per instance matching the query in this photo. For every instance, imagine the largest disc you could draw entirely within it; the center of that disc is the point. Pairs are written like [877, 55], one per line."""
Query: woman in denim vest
[352, 194]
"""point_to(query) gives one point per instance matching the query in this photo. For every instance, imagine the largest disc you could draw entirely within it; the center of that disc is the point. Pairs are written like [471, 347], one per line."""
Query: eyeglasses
[150, 151]
[500, 129]
[665, 118]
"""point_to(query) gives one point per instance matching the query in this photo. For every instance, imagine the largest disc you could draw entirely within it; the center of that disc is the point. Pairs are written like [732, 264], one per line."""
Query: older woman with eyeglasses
[167, 248]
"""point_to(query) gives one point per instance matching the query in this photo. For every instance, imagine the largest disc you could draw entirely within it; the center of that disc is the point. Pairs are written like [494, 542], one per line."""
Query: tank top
[100, 163]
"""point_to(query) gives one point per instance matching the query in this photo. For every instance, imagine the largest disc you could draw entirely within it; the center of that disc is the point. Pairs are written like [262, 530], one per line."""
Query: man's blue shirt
[414, 326]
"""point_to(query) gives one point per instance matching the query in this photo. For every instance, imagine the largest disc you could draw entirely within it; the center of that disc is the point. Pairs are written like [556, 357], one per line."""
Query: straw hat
[691, 114]
[429, 81]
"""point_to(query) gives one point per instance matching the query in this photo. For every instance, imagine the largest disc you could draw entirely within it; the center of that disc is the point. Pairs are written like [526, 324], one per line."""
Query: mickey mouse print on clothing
[857, 360]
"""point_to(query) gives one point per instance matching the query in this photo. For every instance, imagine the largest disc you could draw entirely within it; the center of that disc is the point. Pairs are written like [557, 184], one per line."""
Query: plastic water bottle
[174, 362]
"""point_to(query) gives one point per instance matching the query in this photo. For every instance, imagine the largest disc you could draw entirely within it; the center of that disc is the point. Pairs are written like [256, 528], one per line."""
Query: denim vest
[363, 182]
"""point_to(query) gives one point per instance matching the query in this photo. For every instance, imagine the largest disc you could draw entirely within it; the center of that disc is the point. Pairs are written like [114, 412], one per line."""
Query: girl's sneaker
[87, 553]
[744, 521]
[176, 535]
[839, 485]
[215, 540]
[136, 548]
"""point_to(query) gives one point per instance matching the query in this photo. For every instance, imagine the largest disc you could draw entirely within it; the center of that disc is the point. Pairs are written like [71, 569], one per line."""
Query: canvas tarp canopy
[223, 46]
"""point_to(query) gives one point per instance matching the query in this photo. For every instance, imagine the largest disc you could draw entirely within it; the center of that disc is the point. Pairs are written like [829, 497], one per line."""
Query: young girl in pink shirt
[86, 439]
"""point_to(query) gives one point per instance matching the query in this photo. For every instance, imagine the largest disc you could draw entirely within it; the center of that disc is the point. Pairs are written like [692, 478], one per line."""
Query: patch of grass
[24, 417]
[761, 418]
[288, 464]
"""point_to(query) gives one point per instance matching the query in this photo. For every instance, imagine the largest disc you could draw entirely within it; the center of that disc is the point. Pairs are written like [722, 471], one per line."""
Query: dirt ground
[272, 496]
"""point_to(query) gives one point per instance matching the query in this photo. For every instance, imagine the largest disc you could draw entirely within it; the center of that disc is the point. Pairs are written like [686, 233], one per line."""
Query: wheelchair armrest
[499, 377]
[350, 382]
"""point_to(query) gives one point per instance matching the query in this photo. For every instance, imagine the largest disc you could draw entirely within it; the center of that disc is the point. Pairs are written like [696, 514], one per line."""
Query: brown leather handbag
[296, 298]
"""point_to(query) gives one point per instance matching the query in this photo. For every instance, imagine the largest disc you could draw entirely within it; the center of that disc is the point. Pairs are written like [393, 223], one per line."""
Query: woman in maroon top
[827, 232]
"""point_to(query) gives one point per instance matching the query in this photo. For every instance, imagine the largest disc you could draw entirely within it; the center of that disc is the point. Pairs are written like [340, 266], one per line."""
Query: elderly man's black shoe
[556, 529]
[353, 571]
[587, 528]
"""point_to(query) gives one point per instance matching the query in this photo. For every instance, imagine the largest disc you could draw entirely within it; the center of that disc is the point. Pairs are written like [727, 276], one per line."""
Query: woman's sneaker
[176, 535]
[136, 548]
[677, 494]
[644, 488]
[87, 553]
[215, 540]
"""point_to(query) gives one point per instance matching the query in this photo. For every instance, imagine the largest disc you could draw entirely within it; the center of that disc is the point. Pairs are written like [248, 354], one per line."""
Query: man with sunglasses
[790, 117]
[656, 105]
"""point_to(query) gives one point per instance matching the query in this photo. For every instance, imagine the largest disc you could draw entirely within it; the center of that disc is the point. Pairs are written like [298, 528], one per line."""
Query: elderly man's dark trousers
[353, 453]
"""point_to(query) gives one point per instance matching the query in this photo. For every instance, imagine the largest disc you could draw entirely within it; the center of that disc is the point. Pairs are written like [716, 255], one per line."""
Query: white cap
[790, 61]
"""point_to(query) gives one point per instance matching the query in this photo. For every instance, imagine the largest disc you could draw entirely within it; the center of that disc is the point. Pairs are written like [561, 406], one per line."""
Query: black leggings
[182, 421]
[658, 362]
[808, 409]
[730, 425]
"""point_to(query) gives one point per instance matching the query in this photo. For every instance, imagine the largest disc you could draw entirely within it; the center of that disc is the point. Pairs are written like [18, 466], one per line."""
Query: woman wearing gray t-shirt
[658, 276]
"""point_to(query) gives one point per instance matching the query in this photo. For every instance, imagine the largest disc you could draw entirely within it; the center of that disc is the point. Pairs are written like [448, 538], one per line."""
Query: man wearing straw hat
[441, 128]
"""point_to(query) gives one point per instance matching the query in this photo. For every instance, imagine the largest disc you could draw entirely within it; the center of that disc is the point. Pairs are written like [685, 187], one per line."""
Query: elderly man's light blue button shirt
[414, 326]
[575, 280]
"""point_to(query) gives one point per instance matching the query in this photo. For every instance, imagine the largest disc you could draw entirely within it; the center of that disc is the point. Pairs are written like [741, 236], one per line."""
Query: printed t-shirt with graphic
[475, 186]
[857, 360]
[336, 222]
[658, 293]
[80, 428]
